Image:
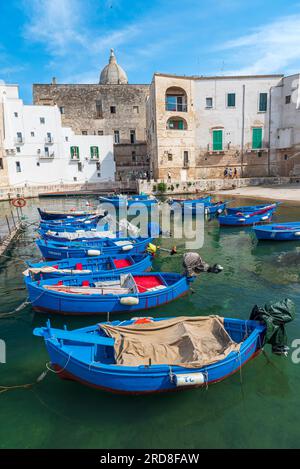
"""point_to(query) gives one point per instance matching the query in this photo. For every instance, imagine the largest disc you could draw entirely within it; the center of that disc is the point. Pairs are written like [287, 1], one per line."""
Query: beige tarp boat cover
[190, 342]
[49, 269]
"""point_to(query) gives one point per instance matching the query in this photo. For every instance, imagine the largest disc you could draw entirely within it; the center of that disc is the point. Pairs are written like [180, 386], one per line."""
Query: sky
[71, 39]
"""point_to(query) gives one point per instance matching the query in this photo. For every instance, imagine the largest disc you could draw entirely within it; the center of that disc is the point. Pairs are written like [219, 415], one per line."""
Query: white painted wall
[230, 118]
[36, 169]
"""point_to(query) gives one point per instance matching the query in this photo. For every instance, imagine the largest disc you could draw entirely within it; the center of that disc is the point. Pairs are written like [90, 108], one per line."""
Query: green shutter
[231, 100]
[263, 100]
[217, 140]
[257, 138]
[180, 125]
[74, 153]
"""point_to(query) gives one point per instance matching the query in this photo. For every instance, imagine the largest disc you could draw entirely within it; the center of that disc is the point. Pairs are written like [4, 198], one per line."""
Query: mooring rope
[25, 386]
[16, 310]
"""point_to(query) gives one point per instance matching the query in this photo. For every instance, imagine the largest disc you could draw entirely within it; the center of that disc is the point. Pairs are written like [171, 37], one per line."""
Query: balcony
[46, 155]
[176, 107]
[19, 140]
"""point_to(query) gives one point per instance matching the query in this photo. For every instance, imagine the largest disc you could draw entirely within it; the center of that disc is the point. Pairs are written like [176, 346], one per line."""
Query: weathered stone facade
[104, 109]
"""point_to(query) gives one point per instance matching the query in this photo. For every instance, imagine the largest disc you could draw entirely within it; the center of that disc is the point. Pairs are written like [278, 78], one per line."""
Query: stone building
[199, 126]
[112, 107]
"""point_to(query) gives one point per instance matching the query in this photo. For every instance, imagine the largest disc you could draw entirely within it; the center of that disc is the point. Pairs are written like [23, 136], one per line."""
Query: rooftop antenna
[222, 67]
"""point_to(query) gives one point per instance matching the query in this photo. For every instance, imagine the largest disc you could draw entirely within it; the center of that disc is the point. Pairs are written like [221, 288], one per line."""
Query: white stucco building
[37, 149]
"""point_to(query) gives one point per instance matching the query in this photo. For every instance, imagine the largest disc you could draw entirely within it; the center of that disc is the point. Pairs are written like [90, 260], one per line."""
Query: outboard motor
[193, 265]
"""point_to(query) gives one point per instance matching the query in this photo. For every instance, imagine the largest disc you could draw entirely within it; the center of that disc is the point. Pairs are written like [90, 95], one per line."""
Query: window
[32, 134]
[19, 137]
[84, 132]
[74, 153]
[100, 132]
[176, 123]
[136, 109]
[49, 137]
[185, 158]
[74, 178]
[217, 140]
[18, 149]
[62, 109]
[94, 151]
[1, 163]
[16, 114]
[99, 113]
[98, 166]
[18, 166]
[170, 157]
[112, 109]
[99, 175]
[132, 136]
[38, 164]
[66, 139]
[133, 155]
[288, 99]
[116, 136]
[46, 151]
[256, 138]
[42, 120]
[176, 99]
[263, 100]
[208, 103]
[79, 167]
[231, 100]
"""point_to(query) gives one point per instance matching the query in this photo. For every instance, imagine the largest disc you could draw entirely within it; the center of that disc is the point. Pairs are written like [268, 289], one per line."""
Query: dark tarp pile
[275, 316]
[193, 265]
[190, 342]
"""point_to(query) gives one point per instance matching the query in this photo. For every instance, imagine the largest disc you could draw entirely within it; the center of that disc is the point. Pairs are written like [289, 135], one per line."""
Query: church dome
[113, 74]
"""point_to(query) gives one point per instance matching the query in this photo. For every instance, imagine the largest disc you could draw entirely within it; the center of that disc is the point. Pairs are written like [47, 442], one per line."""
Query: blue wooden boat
[250, 208]
[76, 224]
[78, 235]
[101, 294]
[121, 201]
[246, 219]
[209, 208]
[87, 355]
[110, 247]
[59, 215]
[278, 231]
[124, 263]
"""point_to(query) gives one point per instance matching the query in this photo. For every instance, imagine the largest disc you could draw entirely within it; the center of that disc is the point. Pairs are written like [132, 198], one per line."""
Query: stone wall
[206, 185]
[88, 108]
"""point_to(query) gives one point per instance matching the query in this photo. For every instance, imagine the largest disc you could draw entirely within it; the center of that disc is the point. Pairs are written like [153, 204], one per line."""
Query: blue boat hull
[60, 215]
[278, 232]
[50, 301]
[53, 250]
[96, 265]
[156, 378]
[249, 208]
[233, 220]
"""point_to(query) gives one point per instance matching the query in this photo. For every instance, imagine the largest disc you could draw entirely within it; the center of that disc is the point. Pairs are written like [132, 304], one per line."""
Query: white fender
[128, 247]
[129, 301]
[265, 217]
[297, 233]
[190, 379]
[93, 252]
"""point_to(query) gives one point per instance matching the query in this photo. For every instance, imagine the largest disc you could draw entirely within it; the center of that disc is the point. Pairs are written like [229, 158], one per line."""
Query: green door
[257, 138]
[217, 140]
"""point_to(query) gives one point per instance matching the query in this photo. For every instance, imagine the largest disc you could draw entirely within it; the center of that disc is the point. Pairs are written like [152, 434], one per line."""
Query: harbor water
[257, 408]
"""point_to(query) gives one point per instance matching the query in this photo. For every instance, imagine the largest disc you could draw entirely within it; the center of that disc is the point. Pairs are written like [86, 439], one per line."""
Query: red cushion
[85, 283]
[78, 266]
[60, 282]
[119, 263]
[55, 266]
[143, 283]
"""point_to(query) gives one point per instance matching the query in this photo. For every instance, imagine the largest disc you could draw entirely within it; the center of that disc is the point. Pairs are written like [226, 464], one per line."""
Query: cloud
[270, 48]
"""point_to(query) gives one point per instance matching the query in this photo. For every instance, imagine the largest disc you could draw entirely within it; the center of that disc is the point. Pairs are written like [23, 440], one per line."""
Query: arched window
[176, 123]
[176, 99]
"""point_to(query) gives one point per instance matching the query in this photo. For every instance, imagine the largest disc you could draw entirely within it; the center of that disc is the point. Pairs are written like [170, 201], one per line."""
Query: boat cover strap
[190, 342]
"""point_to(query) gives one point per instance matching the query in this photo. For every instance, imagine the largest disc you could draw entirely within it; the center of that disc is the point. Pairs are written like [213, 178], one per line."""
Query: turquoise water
[259, 408]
